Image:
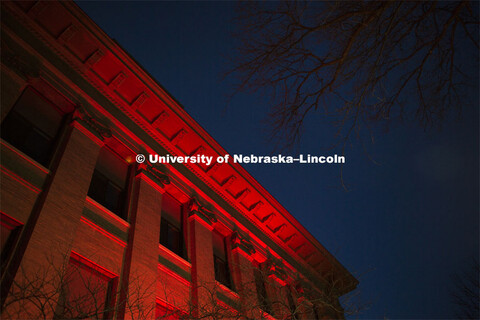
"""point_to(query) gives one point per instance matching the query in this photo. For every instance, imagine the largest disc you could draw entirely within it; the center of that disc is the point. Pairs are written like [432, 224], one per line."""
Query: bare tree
[285, 295]
[70, 289]
[67, 291]
[466, 291]
[358, 62]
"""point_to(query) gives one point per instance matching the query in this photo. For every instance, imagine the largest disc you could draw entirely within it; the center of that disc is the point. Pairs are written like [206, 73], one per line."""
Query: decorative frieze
[160, 119]
[299, 247]
[94, 57]
[290, 237]
[142, 97]
[178, 136]
[199, 150]
[37, 8]
[279, 228]
[268, 218]
[214, 167]
[242, 195]
[118, 80]
[68, 33]
[256, 206]
[229, 182]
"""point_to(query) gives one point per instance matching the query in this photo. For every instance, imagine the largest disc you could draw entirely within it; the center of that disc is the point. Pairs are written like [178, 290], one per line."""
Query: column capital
[275, 270]
[153, 176]
[202, 215]
[90, 125]
[242, 244]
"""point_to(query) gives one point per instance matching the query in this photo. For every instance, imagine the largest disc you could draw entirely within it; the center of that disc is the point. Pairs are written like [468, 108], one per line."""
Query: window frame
[166, 225]
[53, 142]
[166, 222]
[121, 209]
[227, 282]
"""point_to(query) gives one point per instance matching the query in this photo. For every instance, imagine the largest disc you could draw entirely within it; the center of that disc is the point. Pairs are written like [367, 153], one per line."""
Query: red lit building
[87, 229]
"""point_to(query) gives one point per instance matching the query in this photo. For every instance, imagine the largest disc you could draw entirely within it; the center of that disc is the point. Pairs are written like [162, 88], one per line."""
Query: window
[87, 292]
[170, 237]
[171, 231]
[9, 233]
[109, 181]
[32, 126]
[220, 262]
[262, 291]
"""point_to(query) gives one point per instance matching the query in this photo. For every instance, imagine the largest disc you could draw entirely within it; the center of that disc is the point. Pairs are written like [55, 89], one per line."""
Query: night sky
[410, 218]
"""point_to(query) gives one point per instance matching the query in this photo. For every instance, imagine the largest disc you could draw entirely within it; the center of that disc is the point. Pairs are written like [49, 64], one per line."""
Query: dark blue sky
[409, 220]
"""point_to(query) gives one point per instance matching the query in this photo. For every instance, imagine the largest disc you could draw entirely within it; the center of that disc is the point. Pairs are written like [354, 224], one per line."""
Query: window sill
[164, 251]
[174, 265]
[22, 168]
[226, 290]
[106, 214]
[25, 157]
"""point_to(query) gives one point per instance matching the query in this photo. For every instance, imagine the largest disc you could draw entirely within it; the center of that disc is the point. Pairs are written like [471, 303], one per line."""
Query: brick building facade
[164, 241]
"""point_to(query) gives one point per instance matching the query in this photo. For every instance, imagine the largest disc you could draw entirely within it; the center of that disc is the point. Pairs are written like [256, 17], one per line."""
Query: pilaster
[45, 242]
[243, 274]
[142, 251]
[200, 224]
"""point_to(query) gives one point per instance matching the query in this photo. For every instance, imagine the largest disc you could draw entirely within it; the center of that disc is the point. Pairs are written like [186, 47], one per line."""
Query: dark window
[262, 292]
[222, 274]
[220, 261]
[109, 181]
[106, 193]
[32, 126]
[171, 231]
[171, 237]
